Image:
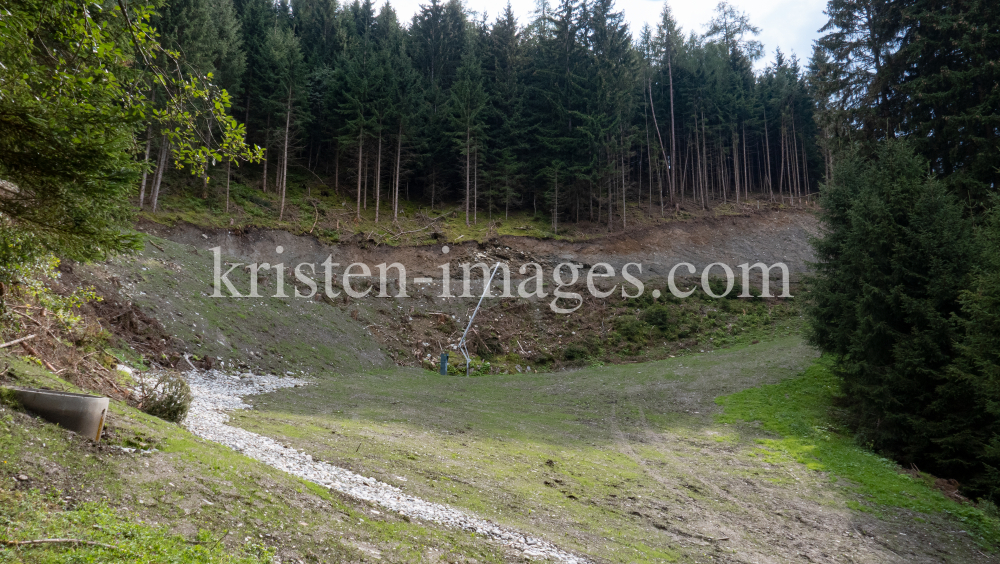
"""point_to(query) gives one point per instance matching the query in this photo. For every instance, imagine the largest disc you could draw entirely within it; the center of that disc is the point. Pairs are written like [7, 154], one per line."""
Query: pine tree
[967, 425]
[317, 27]
[356, 107]
[945, 74]
[287, 99]
[666, 44]
[436, 41]
[230, 58]
[466, 110]
[861, 37]
[896, 248]
[256, 21]
[504, 68]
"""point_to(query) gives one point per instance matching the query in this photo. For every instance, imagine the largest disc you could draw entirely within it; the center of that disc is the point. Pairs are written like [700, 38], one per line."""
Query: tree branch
[56, 541]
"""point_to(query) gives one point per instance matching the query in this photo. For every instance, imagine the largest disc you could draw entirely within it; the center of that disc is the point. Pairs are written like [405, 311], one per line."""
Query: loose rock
[216, 392]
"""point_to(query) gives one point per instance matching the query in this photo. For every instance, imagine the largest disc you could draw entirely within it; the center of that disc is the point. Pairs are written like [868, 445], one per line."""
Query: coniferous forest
[567, 115]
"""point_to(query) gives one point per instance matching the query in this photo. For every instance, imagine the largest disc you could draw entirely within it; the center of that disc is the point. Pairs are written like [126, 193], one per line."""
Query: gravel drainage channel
[216, 392]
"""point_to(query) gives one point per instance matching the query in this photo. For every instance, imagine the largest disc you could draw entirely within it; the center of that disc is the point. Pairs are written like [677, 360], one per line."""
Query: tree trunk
[555, 205]
[475, 188]
[624, 190]
[611, 194]
[767, 141]
[267, 143]
[277, 175]
[687, 167]
[663, 149]
[699, 180]
[723, 172]
[600, 204]
[229, 171]
[794, 161]
[704, 154]
[760, 170]
[467, 170]
[162, 164]
[361, 149]
[746, 167]
[284, 155]
[378, 177]
[799, 188]
[673, 138]
[781, 176]
[204, 183]
[805, 169]
[649, 158]
[506, 205]
[736, 165]
[145, 170]
[399, 153]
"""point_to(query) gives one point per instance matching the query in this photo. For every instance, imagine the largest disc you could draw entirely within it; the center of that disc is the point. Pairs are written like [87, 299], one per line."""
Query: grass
[631, 463]
[799, 411]
[191, 501]
[563, 455]
[334, 218]
[312, 207]
[626, 463]
[33, 515]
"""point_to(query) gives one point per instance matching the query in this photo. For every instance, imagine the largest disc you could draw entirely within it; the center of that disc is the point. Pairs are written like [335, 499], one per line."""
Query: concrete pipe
[80, 413]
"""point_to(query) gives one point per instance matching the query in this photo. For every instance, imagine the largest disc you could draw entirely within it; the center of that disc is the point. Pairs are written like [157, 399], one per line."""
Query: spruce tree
[436, 42]
[504, 68]
[967, 423]
[466, 114]
[896, 248]
[356, 106]
[286, 102]
[946, 72]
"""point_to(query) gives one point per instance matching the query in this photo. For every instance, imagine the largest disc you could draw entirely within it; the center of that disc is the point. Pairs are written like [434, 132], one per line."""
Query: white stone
[216, 392]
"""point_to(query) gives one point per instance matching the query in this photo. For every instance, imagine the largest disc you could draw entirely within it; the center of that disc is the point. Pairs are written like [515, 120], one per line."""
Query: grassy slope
[622, 462]
[798, 413]
[538, 452]
[156, 507]
[626, 463]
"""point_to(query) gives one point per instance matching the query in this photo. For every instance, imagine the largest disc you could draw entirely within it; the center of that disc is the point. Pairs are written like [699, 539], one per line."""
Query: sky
[792, 25]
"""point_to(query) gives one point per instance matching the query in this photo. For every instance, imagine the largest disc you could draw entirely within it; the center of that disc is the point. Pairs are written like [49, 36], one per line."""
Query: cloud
[792, 25]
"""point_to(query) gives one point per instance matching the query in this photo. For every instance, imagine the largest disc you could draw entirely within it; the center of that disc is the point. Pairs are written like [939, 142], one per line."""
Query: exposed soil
[768, 236]
[511, 333]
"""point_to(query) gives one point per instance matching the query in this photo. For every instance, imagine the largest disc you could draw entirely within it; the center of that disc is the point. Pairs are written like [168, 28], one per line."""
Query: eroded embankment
[768, 237]
[172, 280]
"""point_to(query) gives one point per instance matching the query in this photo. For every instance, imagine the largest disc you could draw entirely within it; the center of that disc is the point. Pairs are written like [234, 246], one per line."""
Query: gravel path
[216, 392]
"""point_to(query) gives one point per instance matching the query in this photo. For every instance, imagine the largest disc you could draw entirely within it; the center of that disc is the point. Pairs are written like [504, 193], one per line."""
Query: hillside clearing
[622, 463]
